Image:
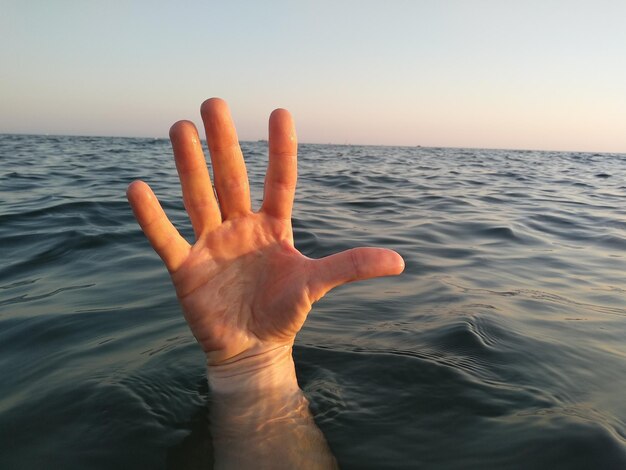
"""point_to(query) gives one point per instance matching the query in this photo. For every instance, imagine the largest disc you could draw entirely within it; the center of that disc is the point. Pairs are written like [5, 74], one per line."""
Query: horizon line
[345, 144]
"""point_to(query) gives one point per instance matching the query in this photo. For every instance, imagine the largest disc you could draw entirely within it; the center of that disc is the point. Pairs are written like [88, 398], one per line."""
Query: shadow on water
[195, 450]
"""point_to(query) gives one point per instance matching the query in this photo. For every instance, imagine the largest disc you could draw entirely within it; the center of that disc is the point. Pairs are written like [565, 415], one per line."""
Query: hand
[243, 286]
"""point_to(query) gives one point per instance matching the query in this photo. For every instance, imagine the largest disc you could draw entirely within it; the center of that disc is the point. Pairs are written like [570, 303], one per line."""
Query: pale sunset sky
[547, 74]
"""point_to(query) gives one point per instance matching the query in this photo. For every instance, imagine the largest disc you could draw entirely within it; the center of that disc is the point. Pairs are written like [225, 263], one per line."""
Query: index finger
[162, 235]
[198, 194]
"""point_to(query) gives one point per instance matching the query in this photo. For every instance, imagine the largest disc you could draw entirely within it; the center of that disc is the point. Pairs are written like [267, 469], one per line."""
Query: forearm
[260, 418]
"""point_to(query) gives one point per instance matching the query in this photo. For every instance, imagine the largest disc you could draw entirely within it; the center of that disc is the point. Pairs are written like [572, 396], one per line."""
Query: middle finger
[229, 169]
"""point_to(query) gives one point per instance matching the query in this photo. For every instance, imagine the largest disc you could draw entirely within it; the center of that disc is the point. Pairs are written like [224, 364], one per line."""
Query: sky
[547, 75]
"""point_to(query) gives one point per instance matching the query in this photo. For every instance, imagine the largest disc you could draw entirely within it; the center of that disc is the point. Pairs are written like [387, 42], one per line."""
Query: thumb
[352, 265]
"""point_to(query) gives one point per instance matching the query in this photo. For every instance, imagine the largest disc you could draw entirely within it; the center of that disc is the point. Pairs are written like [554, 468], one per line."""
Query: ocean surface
[502, 346]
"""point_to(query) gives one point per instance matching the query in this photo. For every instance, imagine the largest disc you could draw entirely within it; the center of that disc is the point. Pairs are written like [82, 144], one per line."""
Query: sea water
[502, 346]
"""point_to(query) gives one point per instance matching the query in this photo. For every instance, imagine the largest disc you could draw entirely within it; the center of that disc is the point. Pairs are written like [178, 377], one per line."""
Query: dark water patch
[73, 212]
[502, 233]
[26, 298]
[493, 199]
[613, 242]
[71, 245]
[23, 175]
[555, 220]
[488, 233]
[367, 204]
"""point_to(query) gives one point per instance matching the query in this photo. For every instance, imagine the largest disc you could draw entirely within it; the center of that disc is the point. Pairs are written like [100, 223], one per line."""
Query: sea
[502, 346]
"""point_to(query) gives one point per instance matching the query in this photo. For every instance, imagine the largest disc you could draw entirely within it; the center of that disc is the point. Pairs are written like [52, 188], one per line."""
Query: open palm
[243, 286]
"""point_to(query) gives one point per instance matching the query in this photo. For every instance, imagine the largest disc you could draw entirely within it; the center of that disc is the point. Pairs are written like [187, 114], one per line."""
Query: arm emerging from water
[246, 291]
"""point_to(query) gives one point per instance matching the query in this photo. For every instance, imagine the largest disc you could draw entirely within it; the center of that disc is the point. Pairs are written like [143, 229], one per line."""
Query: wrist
[260, 418]
[270, 369]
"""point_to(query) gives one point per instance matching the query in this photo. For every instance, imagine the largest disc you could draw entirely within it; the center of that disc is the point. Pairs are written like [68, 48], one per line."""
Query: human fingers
[352, 265]
[194, 177]
[229, 169]
[162, 235]
[282, 171]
